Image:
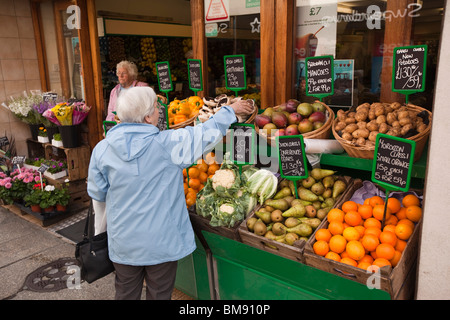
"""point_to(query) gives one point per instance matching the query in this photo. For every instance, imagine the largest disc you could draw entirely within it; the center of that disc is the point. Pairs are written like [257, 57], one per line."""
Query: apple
[294, 118]
[317, 116]
[305, 126]
[292, 130]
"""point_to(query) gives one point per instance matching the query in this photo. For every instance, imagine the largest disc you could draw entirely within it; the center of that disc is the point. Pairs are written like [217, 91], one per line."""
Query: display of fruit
[213, 105]
[361, 127]
[292, 118]
[286, 219]
[148, 53]
[354, 235]
[116, 50]
[182, 110]
[198, 175]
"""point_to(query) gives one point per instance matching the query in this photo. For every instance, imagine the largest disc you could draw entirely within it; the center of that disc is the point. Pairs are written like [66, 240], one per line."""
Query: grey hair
[135, 103]
[130, 66]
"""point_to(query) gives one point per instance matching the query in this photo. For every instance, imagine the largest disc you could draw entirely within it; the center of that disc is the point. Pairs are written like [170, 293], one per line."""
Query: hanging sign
[242, 144]
[217, 10]
[235, 73]
[392, 164]
[164, 77]
[195, 75]
[292, 158]
[409, 68]
[319, 76]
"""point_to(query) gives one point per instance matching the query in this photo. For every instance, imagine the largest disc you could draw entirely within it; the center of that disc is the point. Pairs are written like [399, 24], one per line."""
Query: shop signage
[242, 143]
[49, 96]
[409, 69]
[292, 158]
[235, 73]
[195, 75]
[217, 10]
[319, 76]
[164, 77]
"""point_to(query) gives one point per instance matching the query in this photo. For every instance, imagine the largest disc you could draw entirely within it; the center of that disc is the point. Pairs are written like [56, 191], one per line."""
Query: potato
[405, 129]
[361, 116]
[372, 126]
[360, 141]
[362, 125]
[340, 126]
[370, 143]
[396, 124]
[347, 136]
[402, 114]
[372, 114]
[404, 121]
[350, 120]
[396, 105]
[387, 109]
[394, 132]
[422, 127]
[341, 115]
[364, 133]
[391, 117]
[373, 136]
[379, 110]
[381, 119]
[351, 127]
[383, 128]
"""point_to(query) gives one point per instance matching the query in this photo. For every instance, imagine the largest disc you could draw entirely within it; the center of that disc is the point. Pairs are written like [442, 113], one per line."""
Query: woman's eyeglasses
[121, 74]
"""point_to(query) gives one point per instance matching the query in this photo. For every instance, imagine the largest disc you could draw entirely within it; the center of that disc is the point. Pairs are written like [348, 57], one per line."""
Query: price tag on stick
[164, 77]
[409, 69]
[292, 158]
[44, 167]
[392, 164]
[319, 76]
[235, 73]
[242, 144]
[195, 75]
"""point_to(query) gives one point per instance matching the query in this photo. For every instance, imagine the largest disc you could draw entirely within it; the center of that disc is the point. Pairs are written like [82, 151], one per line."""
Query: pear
[289, 199]
[327, 193]
[281, 238]
[251, 223]
[319, 174]
[280, 204]
[329, 202]
[316, 204]
[276, 215]
[297, 211]
[322, 213]
[264, 216]
[291, 222]
[259, 228]
[308, 182]
[313, 222]
[300, 201]
[302, 229]
[291, 238]
[278, 229]
[284, 192]
[269, 226]
[328, 181]
[318, 188]
[270, 235]
[306, 194]
[310, 211]
[338, 187]
[292, 187]
[268, 208]
[283, 183]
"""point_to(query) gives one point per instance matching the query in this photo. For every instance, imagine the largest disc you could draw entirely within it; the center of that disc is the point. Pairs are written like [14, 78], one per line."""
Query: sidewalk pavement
[26, 246]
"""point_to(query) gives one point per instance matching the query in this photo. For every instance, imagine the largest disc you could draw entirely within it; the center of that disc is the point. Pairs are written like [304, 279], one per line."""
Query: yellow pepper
[184, 108]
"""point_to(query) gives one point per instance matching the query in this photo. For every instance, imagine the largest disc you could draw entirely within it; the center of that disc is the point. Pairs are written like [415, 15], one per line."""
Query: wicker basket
[321, 133]
[188, 122]
[367, 152]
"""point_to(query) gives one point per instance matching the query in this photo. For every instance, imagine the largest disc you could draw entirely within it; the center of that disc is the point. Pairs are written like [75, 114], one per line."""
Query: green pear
[289, 199]
[308, 182]
[291, 238]
[259, 228]
[264, 216]
[319, 174]
[306, 194]
[338, 187]
[300, 201]
[270, 235]
[328, 181]
[276, 216]
[291, 222]
[329, 202]
[318, 188]
[284, 192]
[280, 204]
[322, 213]
[313, 222]
[251, 223]
[303, 230]
[297, 211]
[327, 193]
[278, 229]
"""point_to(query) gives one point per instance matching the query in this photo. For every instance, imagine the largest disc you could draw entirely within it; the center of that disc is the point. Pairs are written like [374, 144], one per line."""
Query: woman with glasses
[127, 73]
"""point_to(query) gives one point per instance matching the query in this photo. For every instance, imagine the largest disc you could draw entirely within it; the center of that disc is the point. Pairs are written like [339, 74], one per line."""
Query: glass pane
[240, 34]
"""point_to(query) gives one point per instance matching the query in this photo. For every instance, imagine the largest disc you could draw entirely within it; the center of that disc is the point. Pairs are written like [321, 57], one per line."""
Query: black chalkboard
[44, 167]
[235, 72]
[163, 124]
[292, 157]
[392, 164]
[49, 96]
[319, 76]
[18, 159]
[409, 67]
[4, 141]
[195, 74]
[164, 77]
[243, 140]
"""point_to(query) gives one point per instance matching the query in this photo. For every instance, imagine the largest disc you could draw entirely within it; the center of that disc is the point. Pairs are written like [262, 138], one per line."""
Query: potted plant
[57, 169]
[33, 200]
[57, 140]
[33, 163]
[42, 135]
[62, 197]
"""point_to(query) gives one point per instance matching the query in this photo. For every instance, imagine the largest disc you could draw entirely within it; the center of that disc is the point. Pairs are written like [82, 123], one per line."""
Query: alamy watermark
[73, 21]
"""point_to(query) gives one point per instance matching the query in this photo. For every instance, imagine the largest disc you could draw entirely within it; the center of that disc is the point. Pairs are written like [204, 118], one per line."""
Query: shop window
[233, 28]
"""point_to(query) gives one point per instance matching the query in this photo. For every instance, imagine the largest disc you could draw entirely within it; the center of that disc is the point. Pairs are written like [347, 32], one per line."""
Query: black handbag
[92, 253]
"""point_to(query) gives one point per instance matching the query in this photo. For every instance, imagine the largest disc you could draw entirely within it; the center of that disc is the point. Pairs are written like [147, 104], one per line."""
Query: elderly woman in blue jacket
[137, 172]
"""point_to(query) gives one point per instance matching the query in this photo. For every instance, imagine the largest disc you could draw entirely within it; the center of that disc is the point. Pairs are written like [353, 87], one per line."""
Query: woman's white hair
[130, 67]
[136, 103]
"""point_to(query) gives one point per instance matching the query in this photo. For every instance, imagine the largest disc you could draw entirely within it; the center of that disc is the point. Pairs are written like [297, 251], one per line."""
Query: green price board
[235, 73]
[319, 76]
[195, 75]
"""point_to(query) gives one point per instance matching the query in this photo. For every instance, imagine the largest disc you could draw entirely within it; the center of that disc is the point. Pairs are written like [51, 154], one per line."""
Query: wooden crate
[79, 198]
[292, 252]
[77, 159]
[398, 281]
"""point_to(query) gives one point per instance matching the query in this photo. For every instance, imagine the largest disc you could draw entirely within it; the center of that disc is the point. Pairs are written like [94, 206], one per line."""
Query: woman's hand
[242, 108]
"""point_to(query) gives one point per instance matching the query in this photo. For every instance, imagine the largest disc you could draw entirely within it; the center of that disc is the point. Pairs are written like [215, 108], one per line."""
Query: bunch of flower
[56, 165]
[18, 184]
[66, 114]
[22, 107]
[40, 108]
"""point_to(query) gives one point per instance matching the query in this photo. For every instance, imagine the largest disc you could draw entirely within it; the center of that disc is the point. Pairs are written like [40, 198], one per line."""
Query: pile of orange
[198, 175]
[354, 235]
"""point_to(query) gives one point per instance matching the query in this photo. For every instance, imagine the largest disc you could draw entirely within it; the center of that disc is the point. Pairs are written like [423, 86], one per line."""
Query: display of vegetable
[263, 184]
[213, 105]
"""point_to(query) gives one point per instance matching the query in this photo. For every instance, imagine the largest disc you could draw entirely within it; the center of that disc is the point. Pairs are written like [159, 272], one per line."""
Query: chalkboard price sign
[18, 160]
[242, 143]
[164, 77]
[4, 141]
[319, 76]
[392, 164]
[292, 157]
[195, 74]
[409, 63]
[49, 96]
[235, 72]
[44, 167]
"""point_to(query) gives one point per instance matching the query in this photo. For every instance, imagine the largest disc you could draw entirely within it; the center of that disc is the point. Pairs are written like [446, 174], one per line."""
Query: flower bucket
[43, 139]
[51, 131]
[34, 129]
[70, 135]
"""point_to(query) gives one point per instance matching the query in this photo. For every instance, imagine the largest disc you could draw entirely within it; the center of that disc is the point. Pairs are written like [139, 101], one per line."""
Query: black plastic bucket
[70, 136]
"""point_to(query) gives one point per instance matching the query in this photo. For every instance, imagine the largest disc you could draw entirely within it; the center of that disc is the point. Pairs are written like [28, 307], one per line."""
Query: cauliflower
[226, 208]
[224, 178]
[226, 181]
